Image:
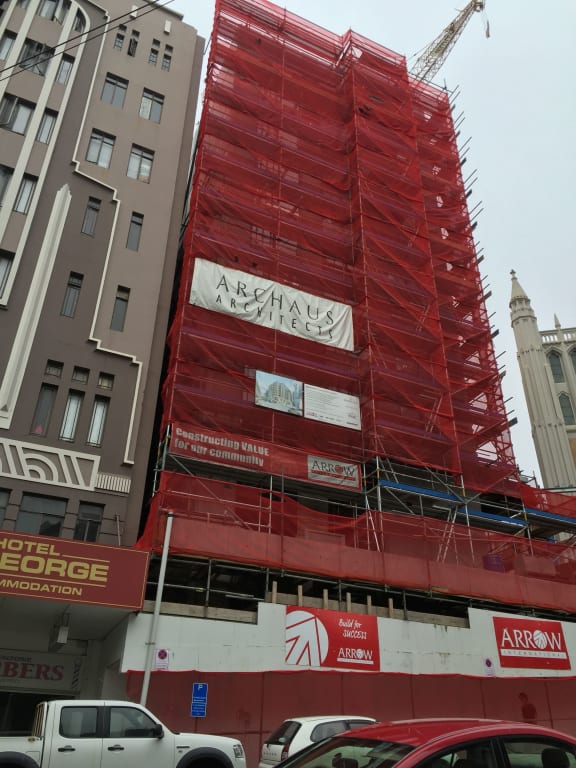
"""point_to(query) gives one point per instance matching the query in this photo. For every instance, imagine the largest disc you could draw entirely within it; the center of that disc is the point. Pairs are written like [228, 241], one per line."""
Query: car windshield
[349, 752]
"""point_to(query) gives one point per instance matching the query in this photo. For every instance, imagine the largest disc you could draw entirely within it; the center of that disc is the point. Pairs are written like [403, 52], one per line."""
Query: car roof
[327, 718]
[421, 731]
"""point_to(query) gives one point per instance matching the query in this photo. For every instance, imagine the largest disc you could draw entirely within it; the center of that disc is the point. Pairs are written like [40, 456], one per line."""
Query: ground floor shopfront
[294, 660]
[64, 607]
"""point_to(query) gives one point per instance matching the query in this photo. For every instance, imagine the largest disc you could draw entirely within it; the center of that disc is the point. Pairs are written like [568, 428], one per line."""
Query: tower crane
[434, 55]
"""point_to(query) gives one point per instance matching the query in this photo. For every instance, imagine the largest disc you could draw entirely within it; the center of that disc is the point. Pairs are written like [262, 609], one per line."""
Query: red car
[441, 743]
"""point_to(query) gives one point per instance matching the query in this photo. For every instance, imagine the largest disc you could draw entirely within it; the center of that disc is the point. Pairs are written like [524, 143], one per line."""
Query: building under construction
[335, 441]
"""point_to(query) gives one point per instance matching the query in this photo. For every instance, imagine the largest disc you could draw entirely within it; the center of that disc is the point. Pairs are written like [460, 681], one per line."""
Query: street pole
[151, 644]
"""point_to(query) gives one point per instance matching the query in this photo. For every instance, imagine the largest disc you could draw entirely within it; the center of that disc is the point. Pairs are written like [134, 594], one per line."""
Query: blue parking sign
[199, 699]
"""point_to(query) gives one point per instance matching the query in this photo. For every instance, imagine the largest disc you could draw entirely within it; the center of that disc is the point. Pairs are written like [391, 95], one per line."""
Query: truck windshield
[349, 752]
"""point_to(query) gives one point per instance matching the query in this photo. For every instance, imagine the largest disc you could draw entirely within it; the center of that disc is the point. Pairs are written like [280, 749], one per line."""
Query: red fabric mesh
[322, 166]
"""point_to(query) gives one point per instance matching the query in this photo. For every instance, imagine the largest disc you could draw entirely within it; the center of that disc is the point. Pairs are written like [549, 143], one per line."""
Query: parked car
[442, 743]
[299, 732]
[113, 734]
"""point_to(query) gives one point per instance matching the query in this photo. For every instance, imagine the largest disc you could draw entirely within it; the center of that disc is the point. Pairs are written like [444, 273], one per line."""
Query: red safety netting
[323, 167]
[234, 522]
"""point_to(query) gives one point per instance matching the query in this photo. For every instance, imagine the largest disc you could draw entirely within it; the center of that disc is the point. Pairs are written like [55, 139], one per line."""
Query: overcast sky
[517, 94]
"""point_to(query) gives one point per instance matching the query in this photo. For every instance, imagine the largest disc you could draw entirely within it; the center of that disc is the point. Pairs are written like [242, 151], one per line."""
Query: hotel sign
[72, 571]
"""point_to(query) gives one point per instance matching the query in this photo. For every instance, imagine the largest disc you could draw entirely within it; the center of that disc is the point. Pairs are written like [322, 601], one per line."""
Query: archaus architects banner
[271, 304]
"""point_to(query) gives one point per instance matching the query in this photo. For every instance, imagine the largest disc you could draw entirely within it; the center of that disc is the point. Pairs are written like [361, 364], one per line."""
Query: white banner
[332, 407]
[272, 305]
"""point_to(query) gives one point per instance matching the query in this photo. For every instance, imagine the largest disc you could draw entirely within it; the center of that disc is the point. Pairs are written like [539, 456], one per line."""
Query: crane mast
[434, 55]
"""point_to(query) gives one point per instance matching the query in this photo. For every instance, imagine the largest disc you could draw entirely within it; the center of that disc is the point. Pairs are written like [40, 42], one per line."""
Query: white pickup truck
[112, 734]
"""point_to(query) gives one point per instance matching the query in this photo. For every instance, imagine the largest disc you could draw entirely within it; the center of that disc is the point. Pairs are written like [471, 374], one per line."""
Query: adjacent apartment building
[97, 106]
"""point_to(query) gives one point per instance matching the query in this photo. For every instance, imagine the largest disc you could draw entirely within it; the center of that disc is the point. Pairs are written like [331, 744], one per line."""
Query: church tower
[547, 363]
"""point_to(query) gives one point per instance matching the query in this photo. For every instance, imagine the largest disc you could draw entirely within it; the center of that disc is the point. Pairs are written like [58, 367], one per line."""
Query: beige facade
[97, 111]
[547, 361]
[94, 153]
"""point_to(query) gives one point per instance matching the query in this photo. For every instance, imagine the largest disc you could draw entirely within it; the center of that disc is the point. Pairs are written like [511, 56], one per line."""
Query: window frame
[12, 110]
[49, 118]
[65, 68]
[71, 416]
[35, 56]
[101, 146]
[6, 263]
[88, 522]
[98, 418]
[90, 219]
[112, 86]
[71, 294]
[7, 43]
[140, 158]
[6, 174]
[25, 194]
[135, 231]
[151, 106]
[49, 517]
[43, 410]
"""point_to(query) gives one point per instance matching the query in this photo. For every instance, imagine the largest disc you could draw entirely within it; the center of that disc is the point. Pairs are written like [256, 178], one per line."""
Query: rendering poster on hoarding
[315, 403]
[278, 393]
[271, 304]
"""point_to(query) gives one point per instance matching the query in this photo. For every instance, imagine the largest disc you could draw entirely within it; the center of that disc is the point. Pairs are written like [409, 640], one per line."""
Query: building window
[46, 126]
[88, 521]
[25, 193]
[151, 106]
[98, 420]
[47, 8]
[119, 41]
[153, 56]
[80, 374]
[6, 261]
[114, 90]
[100, 148]
[105, 380]
[35, 56]
[556, 367]
[6, 44]
[64, 69]
[55, 10]
[91, 216]
[15, 114]
[134, 231]
[166, 62]
[4, 498]
[43, 411]
[120, 308]
[5, 176]
[71, 414]
[567, 409]
[72, 294]
[572, 351]
[79, 23]
[133, 44]
[41, 515]
[140, 163]
[54, 368]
